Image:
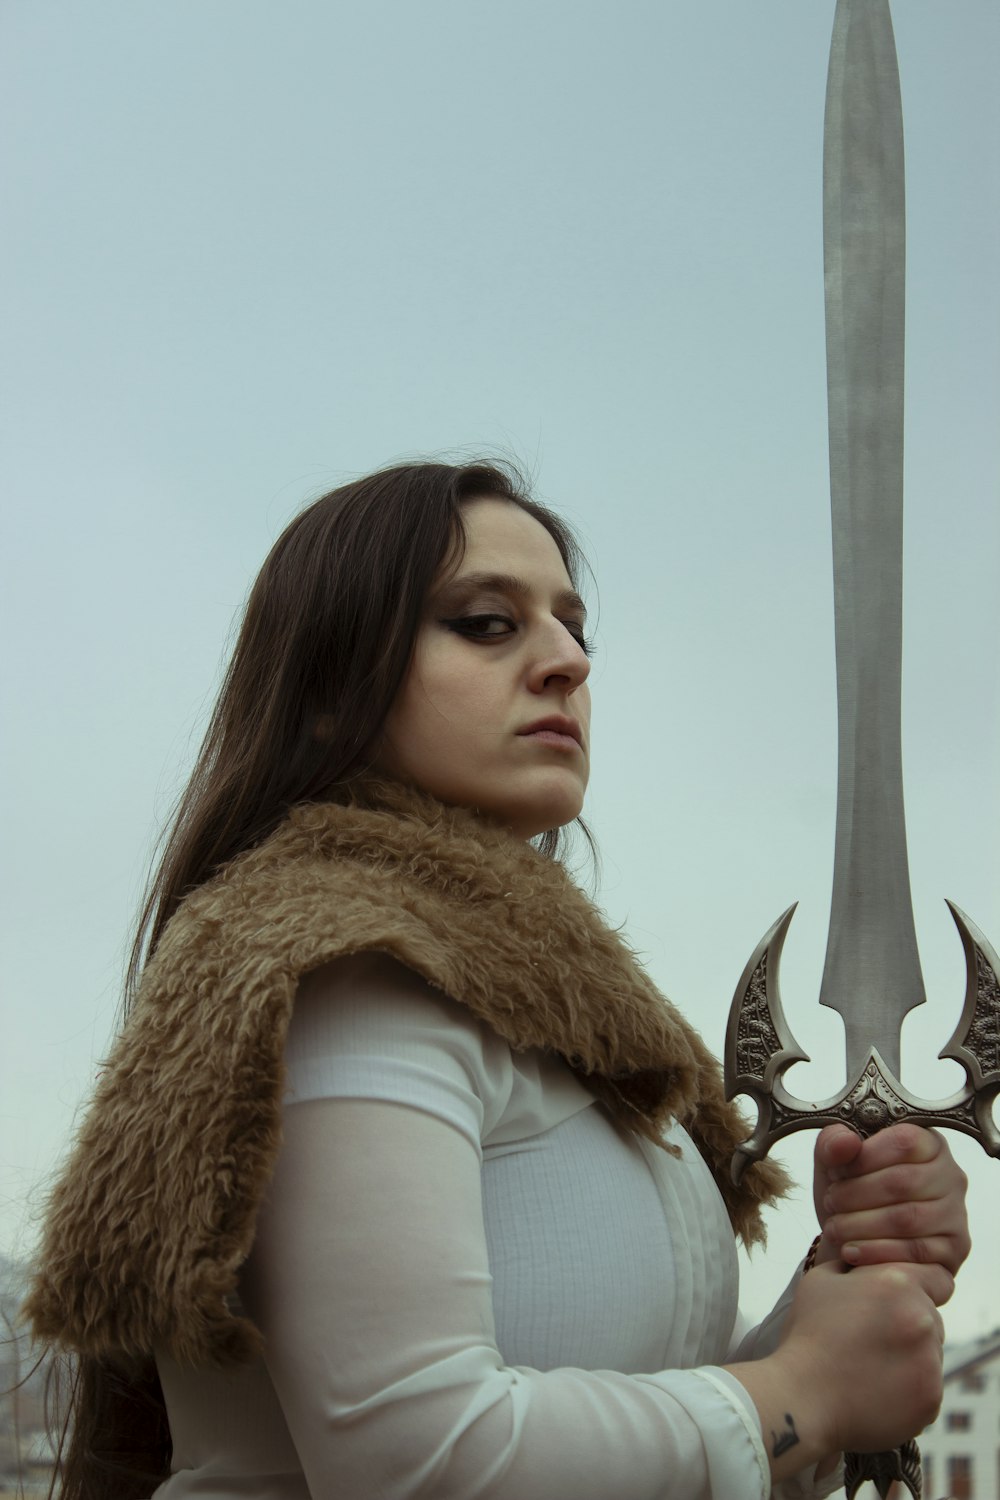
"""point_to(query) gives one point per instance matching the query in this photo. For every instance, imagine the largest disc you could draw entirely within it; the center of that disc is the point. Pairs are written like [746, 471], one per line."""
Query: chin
[527, 821]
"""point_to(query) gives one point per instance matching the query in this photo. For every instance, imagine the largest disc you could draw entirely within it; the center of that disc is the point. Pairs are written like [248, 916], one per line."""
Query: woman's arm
[370, 1281]
[371, 1284]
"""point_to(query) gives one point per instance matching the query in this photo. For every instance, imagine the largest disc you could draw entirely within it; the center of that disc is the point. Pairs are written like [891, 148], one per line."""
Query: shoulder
[368, 1026]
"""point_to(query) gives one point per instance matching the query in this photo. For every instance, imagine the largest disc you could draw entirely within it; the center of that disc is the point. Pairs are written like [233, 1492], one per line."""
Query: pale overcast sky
[252, 250]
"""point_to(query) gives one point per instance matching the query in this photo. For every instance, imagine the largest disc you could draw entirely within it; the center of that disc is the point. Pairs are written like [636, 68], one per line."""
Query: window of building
[973, 1380]
[928, 1459]
[958, 1421]
[960, 1477]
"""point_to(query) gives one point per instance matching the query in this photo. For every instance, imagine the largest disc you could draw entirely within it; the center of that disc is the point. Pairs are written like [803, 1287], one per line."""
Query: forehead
[500, 537]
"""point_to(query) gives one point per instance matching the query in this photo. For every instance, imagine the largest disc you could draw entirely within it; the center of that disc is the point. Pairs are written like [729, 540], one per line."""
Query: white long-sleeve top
[472, 1284]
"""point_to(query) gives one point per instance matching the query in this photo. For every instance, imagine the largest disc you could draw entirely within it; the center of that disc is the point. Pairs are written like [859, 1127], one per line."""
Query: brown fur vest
[155, 1210]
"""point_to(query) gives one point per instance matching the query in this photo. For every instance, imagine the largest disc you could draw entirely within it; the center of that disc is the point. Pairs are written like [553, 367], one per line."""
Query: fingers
[933, 1280]
[934, 1254]
[948, 1251]
[909, 1205]
[837, 1147]
[902, 1183]
[842, 1156]
[911, 1231]
[896, 1145]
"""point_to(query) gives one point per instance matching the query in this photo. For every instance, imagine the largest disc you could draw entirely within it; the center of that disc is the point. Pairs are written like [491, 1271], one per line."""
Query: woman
[494, 1253]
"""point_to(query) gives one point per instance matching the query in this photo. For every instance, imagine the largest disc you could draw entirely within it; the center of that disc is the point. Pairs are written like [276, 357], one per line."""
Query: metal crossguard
[760, 1048]
[872, 973]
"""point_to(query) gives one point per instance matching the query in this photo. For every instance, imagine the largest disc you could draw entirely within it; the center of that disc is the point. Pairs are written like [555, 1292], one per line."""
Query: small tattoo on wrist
[781, 1443]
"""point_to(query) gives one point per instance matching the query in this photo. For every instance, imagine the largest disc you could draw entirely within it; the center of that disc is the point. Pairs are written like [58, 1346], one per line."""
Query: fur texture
[155, 1210]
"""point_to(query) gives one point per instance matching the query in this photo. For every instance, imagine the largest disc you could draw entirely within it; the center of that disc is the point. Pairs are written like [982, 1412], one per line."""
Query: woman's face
[494, 713]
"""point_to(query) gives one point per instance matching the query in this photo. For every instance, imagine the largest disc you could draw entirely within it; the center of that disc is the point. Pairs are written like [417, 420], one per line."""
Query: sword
[872, 973]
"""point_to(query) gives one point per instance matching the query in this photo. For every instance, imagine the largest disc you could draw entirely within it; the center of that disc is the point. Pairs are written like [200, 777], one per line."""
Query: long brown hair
[325, 642]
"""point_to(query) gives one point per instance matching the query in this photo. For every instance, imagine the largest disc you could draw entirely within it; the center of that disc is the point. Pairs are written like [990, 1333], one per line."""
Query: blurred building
[26, 1451]
[961, 1450]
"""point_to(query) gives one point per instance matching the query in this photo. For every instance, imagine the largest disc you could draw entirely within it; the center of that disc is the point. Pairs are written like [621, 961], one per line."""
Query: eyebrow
[508, 583]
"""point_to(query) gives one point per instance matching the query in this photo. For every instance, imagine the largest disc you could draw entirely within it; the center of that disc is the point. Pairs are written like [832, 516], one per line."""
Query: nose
[559, 660]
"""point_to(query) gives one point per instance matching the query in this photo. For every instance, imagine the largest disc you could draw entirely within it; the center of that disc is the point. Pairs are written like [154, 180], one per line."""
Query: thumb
[836, 1147]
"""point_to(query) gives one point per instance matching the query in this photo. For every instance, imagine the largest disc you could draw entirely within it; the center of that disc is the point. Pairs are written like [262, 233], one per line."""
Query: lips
[555, 724]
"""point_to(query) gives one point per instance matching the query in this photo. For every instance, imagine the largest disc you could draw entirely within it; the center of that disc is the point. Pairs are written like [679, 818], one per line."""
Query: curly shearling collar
[155, 1210]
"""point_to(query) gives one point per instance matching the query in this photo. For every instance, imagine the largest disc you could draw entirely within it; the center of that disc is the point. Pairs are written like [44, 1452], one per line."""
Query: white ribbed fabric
[473, 1285]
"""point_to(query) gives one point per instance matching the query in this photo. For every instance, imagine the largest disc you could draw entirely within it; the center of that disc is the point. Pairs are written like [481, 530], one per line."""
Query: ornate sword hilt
[760, 1048]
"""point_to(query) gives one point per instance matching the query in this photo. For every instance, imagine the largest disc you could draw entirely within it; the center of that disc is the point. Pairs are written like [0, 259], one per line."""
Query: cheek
[454, 688]
[438, 712]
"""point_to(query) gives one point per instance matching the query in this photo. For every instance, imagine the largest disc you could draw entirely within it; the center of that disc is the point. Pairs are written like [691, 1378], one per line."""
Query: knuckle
[891, 1279]
[921, 1251]
[900, 1183]
[913, 1324]
[906, 1139]
[905, 1219]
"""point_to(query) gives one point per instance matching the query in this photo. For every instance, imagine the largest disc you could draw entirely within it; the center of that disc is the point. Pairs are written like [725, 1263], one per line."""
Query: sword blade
[872, 971]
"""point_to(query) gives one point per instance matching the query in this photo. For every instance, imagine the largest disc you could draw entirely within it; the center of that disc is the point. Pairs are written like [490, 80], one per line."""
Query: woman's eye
[482, 627]
[498, 627]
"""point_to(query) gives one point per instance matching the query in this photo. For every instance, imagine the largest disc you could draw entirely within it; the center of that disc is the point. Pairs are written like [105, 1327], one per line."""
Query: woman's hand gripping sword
[872, 973]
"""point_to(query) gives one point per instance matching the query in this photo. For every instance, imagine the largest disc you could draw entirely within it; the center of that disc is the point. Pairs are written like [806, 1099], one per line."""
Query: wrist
[794, 1432]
